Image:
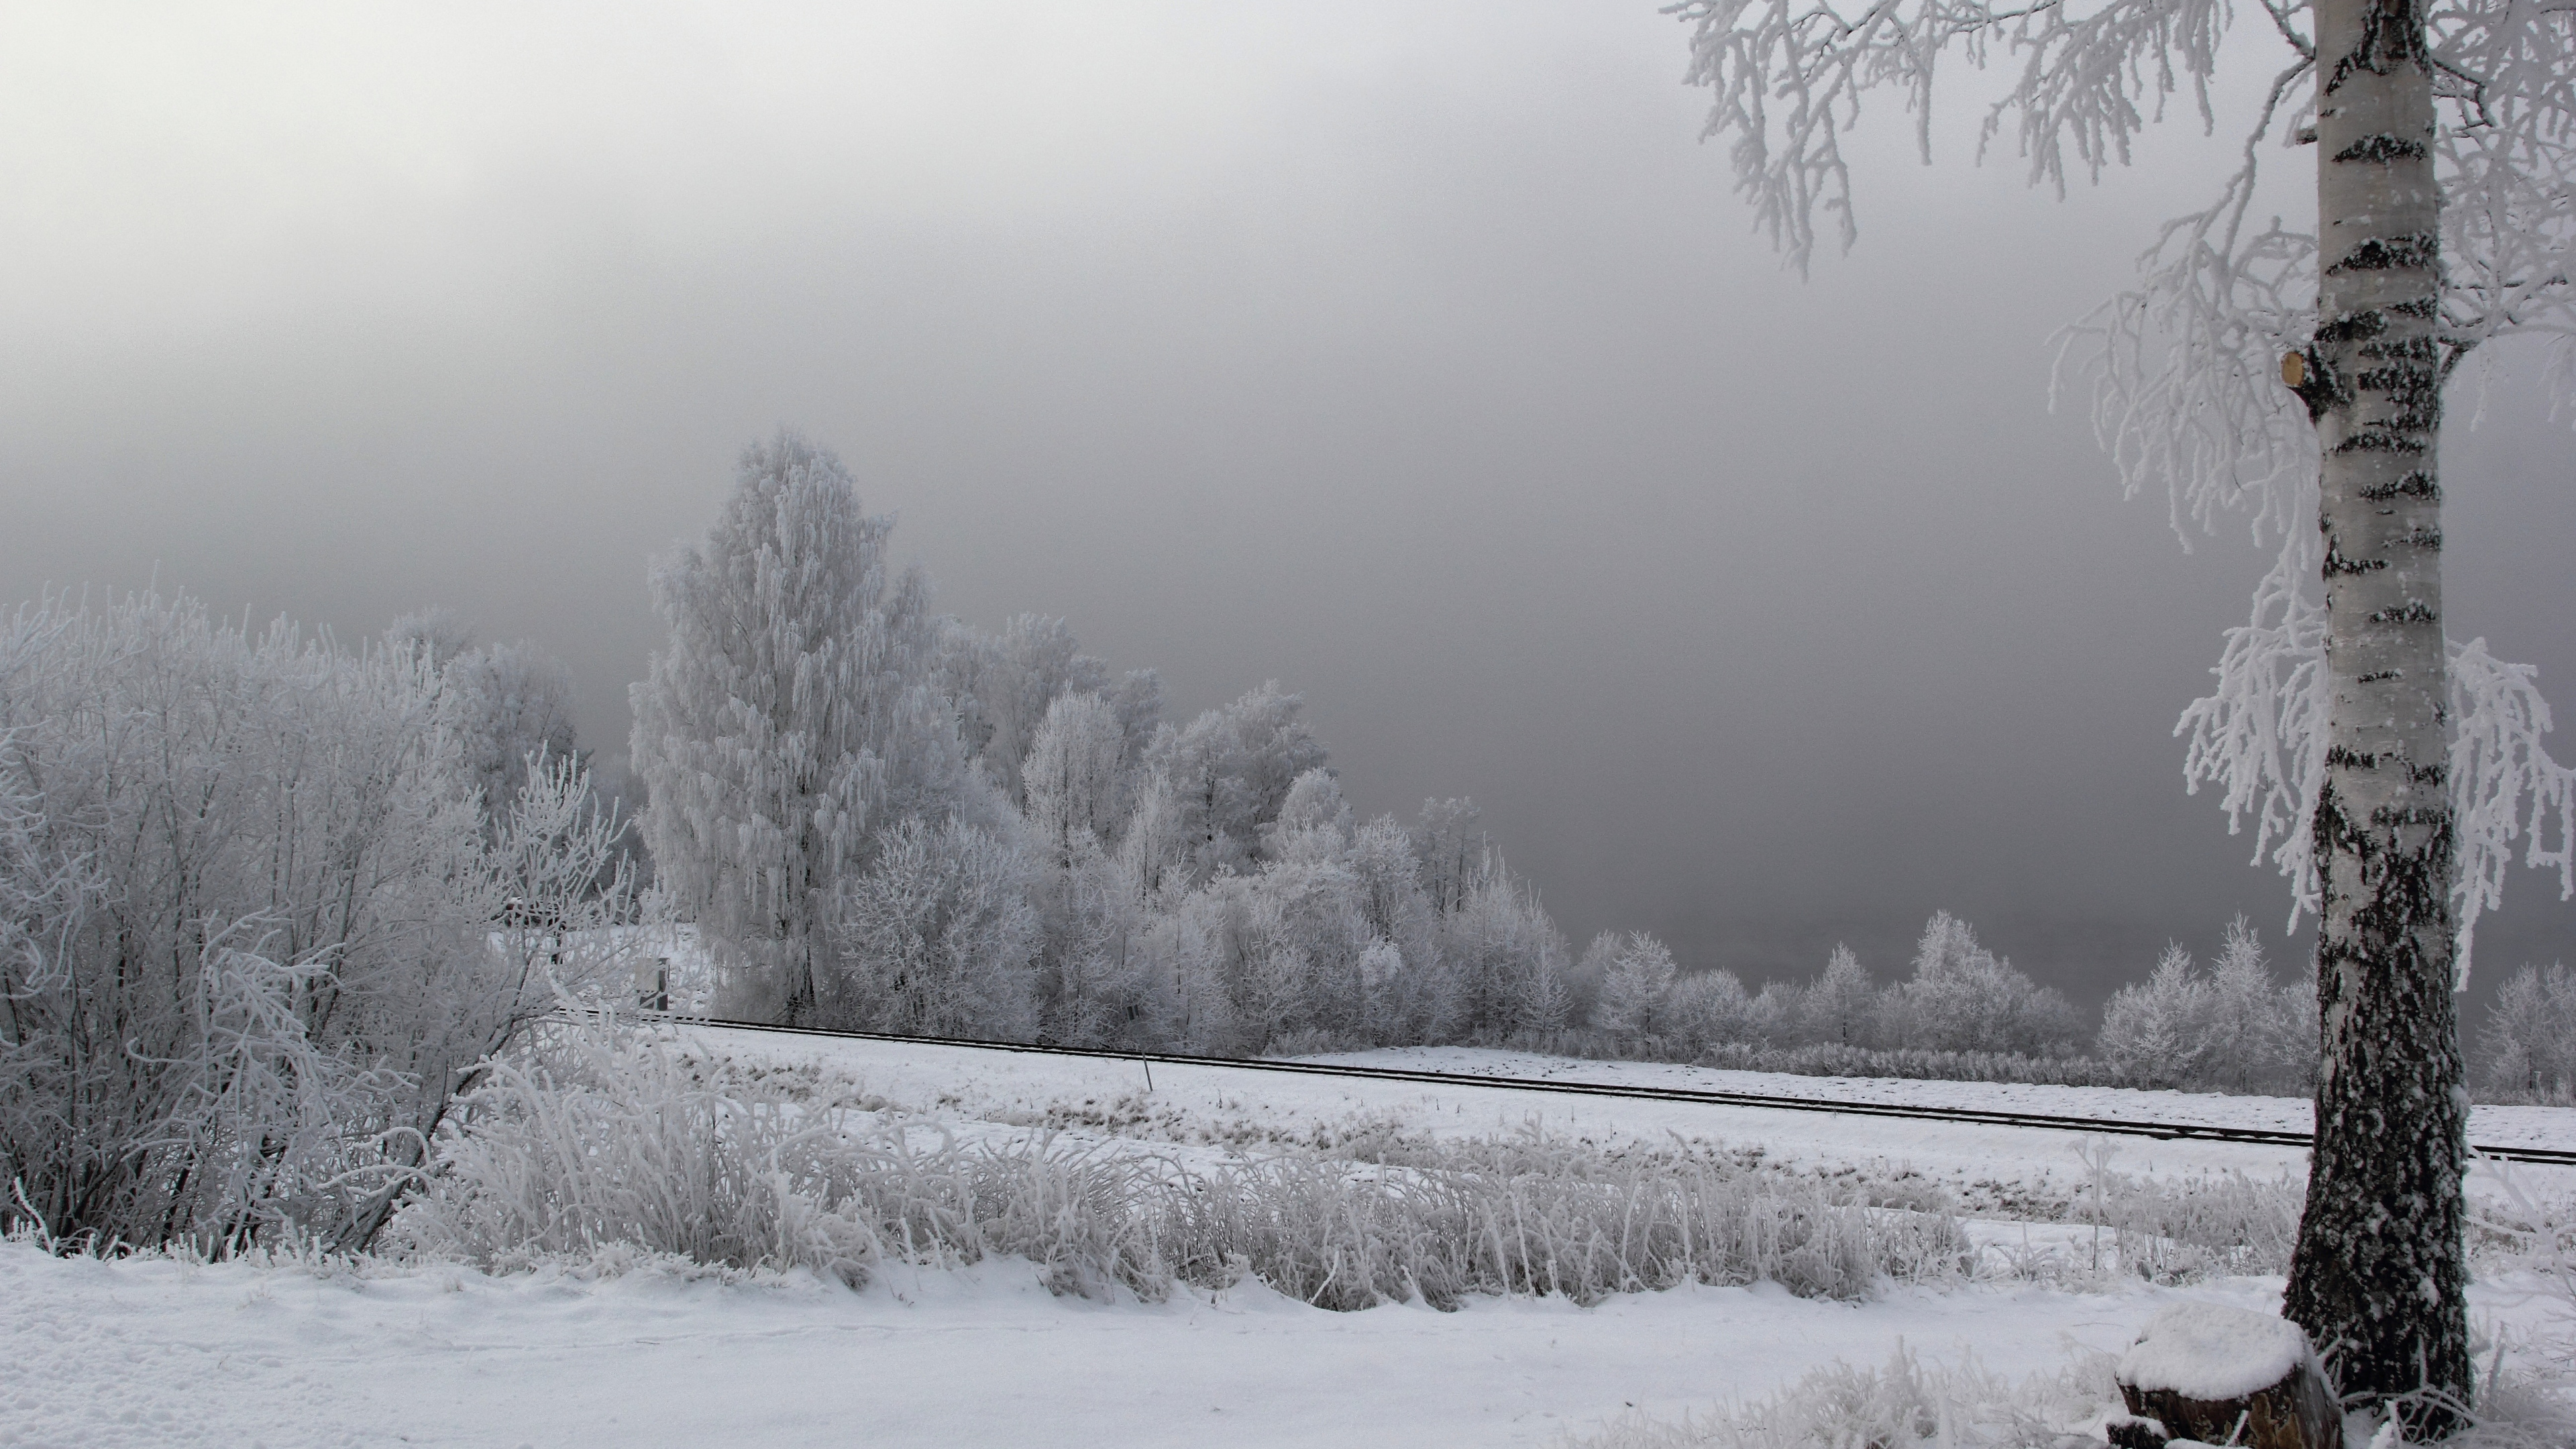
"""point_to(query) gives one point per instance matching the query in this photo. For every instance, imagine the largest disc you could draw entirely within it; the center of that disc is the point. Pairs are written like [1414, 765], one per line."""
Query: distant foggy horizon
[1425, 363]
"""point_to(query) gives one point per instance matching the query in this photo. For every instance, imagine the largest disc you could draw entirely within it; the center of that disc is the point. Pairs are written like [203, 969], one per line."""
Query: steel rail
[2116, 1126]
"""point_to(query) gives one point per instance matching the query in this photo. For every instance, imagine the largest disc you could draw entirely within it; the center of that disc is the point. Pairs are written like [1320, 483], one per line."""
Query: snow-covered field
[156, 1351]
[1983, 1163]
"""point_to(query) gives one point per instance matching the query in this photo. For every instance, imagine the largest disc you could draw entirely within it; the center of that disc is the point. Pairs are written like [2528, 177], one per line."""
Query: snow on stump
[2222, 1375]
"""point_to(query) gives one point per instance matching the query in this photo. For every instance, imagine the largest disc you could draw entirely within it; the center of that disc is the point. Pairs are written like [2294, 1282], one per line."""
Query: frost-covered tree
[1709, 1009]
[1509, 965]
[1451, 849]
[1075, 779]
[1228, 771]
[1636, 989]
[1002, 685]
[1772, 1017]
[2297, 375]
[2157, 1030]
[2266, 1031]
[793, 712]
[2530, 1036]
[1314, 822]
[1840, 1007]
[1962, 998]
[436, 634]
[1154, 853]
[1411, 997]
[2230, 1027]
[935, 938]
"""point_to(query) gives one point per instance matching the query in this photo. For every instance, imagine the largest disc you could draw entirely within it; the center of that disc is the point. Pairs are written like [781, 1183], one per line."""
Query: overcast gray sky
[1417, 356]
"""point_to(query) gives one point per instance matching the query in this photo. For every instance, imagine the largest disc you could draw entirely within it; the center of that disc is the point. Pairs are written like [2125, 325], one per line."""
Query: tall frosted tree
[2297, 375]
[1075, 779]
[793, 697]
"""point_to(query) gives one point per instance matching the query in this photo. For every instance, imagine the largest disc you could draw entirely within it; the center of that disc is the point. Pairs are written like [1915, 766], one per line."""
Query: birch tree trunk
[2380, 1269]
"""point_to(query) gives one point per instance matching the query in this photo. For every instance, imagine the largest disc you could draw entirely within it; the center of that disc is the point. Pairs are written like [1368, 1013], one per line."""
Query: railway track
[2113, 1126]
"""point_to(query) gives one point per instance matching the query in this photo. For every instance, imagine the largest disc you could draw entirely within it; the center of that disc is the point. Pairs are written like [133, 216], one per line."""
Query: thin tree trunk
[2380, 1269]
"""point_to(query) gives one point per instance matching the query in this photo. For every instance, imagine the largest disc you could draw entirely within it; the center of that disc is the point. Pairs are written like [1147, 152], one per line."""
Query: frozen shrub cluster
[597, 1137]
[257, 921]
[2177, 1230]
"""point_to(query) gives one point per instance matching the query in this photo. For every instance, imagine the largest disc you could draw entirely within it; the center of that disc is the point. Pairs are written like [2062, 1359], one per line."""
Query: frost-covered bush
[1825, 1059]
[254, 929]
[2529, 1044]
[598, 1137]
[2179, 1230]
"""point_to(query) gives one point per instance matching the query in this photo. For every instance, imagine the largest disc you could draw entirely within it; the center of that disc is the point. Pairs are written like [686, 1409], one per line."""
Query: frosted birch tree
[2290, 375]
[793, 700]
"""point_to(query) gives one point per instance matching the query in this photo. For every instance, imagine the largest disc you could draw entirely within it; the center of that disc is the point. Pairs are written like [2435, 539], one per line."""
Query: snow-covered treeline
[884, 818]
[1961, 999]
[259, 920]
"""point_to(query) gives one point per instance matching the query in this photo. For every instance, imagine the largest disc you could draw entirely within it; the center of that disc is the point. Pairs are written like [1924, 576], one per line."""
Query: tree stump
[2222, 1375]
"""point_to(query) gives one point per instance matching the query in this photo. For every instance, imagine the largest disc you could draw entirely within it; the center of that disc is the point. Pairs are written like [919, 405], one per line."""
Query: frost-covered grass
[2180, 1230]
[600, 1138]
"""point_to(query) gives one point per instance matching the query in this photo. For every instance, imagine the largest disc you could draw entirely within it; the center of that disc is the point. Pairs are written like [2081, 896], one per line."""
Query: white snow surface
[2213, 1351]
[154, 1352]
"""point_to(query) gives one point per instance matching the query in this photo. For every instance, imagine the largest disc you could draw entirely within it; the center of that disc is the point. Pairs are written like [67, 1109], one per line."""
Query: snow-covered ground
[155, 1351]
[1985, 1164]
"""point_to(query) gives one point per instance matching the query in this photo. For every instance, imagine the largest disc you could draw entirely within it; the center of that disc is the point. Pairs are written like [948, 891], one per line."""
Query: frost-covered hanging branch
[2185, 366]
[2260, 737]
[2504, 785]
[1788, 78]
